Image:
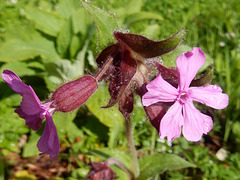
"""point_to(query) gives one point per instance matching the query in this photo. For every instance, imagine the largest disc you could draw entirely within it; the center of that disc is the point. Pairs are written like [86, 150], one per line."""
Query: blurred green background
[49, 42]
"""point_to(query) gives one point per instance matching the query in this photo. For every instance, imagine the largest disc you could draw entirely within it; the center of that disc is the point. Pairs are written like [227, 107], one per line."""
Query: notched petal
[148, 48]
[172, 122]
[211, 96]
[195, 123]
[187, 65]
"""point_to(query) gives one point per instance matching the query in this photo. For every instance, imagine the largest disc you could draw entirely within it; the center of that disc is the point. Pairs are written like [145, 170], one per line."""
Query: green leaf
[19, 50]
[120, 174]
[152, 31]
[64, 122]
[21, 68]
[64, 38]
[80, 25]
[30, 148]
[106, 153]
[131, 7]
[139, 16]
[2, 171]
[111, 117]
[75, 45]
[62, 70]
[67, 7]
[45, 21]
[152, 165]
[169, 59]
[105, 23]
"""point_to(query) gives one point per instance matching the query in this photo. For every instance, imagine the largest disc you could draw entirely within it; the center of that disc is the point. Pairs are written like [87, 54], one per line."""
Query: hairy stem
[104, 68]
[131, 146]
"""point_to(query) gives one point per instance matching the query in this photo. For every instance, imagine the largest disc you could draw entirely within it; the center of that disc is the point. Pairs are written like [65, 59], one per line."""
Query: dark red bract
[123, 64]
[100, 171]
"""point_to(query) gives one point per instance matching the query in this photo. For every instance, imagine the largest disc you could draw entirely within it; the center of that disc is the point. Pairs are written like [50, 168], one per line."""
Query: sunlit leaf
[110, 117]
[64, 38]
[80, 21]
[105, 23]
[44, 21]
[67, 7]
[21, 68]
[131, 7]
[30, 148]
[18, 50]
[141, 16]
[64, 123]
[152, 165]
[24, 174]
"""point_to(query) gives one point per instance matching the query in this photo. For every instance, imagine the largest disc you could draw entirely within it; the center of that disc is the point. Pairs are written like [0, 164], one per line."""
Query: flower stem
[131, 146]
[104, 68]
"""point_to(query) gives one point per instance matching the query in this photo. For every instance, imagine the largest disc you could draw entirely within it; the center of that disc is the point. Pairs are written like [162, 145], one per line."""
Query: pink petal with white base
[211, 96]
[159, 91]
[172, 122]
[187, 65]
[195, 123]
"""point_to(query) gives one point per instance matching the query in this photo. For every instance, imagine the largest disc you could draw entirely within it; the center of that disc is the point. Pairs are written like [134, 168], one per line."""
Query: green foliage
[50, 42]
[44, 21]
[105, 23]
[2, 172]
[23, 50]
[151, 165]
[111, 117]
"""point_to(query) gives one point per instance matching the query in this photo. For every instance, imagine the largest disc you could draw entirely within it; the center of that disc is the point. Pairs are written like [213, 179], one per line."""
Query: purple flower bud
[73, 94]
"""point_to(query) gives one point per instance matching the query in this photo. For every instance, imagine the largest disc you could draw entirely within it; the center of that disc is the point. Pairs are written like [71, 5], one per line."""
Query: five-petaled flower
[182, 114]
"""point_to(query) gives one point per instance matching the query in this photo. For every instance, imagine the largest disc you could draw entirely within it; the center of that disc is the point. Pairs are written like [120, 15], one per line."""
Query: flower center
[183, 96]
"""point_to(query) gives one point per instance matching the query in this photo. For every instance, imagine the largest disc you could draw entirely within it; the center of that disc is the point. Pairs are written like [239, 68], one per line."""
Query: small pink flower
[33, 111]
[183, 112]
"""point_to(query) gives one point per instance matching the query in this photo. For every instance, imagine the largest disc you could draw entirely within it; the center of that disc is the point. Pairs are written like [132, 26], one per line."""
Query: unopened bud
[73, 94]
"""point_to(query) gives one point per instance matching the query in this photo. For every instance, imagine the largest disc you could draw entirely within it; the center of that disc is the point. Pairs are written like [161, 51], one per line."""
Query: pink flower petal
[49, 142]
[31, 105]
[32, 121]
[172, 122]
[159, 90]
[187, 65]
[195, 123]
[15, 82]
[211, 96]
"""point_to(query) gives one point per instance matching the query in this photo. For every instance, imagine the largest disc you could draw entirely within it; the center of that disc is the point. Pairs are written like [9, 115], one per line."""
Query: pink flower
[33, 111]
[183, 114]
